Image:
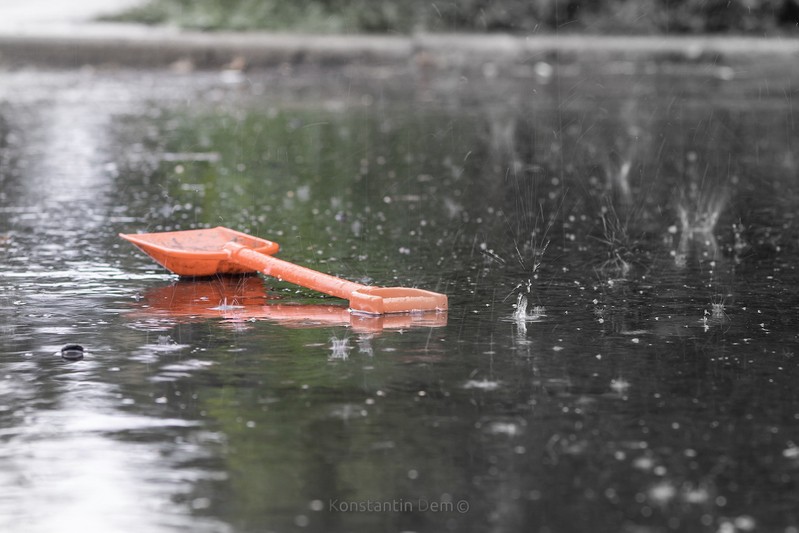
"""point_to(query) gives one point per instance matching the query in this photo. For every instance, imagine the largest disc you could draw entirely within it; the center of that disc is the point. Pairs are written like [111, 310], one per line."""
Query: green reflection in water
[349, 192]
[518, 418]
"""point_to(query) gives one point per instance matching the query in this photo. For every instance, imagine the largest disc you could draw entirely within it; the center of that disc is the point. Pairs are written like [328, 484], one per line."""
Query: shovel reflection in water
[243, 298]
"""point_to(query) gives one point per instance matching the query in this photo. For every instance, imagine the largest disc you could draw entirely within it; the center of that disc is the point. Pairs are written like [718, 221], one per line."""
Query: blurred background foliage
[749, 17]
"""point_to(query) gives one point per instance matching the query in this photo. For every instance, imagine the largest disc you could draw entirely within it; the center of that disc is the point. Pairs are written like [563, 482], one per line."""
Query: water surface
[642, 215]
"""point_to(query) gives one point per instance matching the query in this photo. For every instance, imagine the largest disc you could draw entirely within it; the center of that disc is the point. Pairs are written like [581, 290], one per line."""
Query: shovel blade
[198, 253]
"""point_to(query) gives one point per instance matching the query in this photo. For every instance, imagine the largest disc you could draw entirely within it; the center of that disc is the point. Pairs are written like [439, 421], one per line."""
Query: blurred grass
[323, 16]
[739, 17]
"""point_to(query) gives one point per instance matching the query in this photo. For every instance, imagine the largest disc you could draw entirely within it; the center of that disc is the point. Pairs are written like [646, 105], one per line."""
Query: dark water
[645, 213]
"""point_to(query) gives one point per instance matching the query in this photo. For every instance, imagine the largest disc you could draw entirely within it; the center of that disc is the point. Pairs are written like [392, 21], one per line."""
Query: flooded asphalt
[618, 243]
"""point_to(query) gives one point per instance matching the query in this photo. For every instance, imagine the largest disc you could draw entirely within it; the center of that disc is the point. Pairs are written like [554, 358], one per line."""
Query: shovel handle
[296, 274]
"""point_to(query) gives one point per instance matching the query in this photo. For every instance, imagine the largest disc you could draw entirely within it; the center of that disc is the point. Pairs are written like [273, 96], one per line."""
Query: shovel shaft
[298, 275]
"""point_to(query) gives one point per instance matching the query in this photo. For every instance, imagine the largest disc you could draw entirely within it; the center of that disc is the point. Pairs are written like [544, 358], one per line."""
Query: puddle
[619, 250]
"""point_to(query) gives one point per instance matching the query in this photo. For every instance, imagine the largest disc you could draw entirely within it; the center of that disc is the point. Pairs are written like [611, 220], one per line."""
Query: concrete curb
[203, 51]
[126, 46]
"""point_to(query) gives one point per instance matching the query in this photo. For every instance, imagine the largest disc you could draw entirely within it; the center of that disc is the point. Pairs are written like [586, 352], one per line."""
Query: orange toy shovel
[220, 250]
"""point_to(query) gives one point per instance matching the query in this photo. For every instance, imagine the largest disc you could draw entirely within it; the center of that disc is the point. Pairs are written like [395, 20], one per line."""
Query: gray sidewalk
[62, 34]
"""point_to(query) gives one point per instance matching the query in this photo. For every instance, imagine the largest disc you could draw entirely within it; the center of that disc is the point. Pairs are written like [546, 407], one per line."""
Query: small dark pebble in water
[72, 352]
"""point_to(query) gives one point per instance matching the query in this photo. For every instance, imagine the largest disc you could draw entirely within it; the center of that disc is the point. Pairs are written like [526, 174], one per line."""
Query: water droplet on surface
[504, 428]
[662, 493]
[791, 452]
[316, 505]
[619, 385]
[483, 384]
